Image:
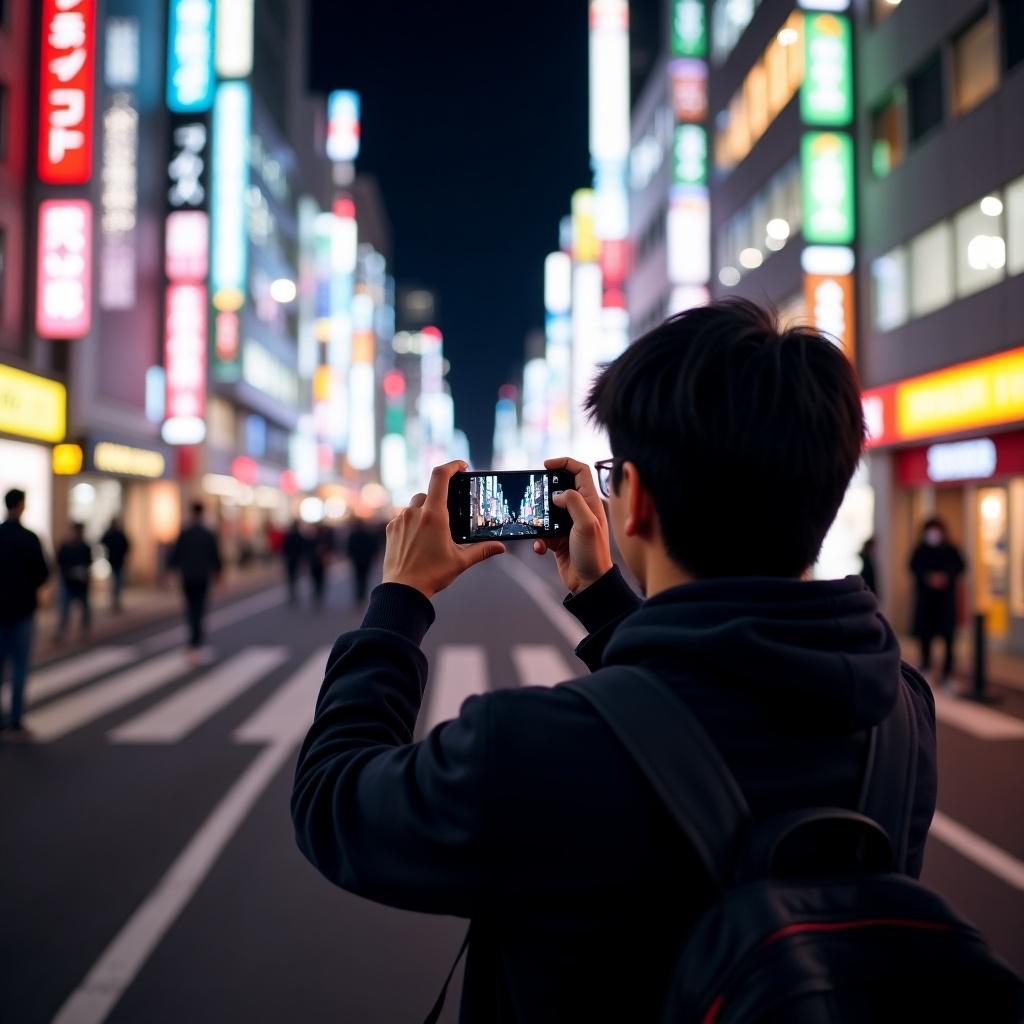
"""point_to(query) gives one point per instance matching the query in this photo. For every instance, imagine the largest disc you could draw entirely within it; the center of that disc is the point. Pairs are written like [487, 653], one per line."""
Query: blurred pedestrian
[362, 547]
[936, 565]
[74, 559]
[24, 572]
[196, 556]
[117, 546]
[321, 550]
[295, 548]
[867, 566]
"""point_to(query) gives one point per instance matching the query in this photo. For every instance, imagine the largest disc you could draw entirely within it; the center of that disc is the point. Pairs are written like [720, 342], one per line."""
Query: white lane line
[122, 960]
[540, 665]
[174, 718]
[288, 713]
[63, 716]
[979, 721]
[995, 860]
[48, 682]
[538, 590]
[460, 671]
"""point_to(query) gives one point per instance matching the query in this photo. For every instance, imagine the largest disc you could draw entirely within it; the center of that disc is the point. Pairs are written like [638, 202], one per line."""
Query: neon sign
[119, 202]
[343, 125]
[190, 56]
[229, 256]
[185, 364]
[66, 91]
[826, 95]
[64, 273]
[827, 171]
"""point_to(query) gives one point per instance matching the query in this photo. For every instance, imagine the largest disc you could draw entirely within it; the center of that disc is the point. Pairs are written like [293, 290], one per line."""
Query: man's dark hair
[13, 498]
[197, 510]
[746, 436]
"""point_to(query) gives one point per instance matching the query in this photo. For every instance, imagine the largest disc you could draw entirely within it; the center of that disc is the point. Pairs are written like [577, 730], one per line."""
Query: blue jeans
[73, 593]
[16, 644]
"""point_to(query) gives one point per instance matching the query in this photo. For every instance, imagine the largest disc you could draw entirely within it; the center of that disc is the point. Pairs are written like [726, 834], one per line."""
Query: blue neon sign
[229, 240]
[190, 56]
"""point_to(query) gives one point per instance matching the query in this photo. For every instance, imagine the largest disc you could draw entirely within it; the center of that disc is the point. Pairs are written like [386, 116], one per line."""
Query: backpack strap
[890, 775]
[679, 760]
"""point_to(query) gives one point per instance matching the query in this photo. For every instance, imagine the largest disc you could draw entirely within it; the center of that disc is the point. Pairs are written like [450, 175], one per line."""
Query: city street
[507, 530]
[149, 869]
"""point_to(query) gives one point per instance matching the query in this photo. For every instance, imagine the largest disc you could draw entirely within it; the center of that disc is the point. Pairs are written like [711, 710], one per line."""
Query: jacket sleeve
[926, 792]
[41, 569]
[383, 817]
[601, 607]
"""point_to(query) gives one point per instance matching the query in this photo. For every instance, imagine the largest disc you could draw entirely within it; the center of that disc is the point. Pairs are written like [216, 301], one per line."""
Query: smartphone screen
[500, 505]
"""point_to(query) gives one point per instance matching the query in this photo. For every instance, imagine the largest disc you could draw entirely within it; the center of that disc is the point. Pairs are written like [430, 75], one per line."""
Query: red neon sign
[185, 354]
[66, 91]
[64, 270]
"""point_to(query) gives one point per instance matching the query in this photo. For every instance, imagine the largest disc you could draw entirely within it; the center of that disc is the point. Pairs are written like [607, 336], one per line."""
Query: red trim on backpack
[804, 927]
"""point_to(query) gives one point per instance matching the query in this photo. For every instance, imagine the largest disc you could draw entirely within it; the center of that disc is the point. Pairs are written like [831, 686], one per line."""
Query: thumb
[481, 552]
[576, 505]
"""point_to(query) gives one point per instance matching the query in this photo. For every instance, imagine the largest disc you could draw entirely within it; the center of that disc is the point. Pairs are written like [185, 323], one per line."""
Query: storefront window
[993, 570]
[980, 246]
[888, 146]
[925, 99]
[931, 269]
[889, 289]
[975, 64]
[1014, 199]
[881, 9]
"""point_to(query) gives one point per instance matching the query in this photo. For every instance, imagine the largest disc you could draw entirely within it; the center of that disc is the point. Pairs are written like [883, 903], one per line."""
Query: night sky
[475, 125]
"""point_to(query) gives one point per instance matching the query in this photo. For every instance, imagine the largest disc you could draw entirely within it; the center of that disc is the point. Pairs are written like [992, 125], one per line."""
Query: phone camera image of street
[503, 505]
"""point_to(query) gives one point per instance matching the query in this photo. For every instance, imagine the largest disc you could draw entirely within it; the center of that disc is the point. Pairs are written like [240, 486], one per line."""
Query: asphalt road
[148, 871]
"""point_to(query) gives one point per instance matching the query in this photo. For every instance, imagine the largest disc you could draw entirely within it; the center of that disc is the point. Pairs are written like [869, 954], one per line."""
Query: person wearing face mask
[936, 565]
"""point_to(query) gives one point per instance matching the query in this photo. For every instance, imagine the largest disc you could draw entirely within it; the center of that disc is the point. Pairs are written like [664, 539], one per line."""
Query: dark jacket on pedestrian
[115, 542]
[23, 570]
[74, 558]
[935, 607]
[525, 813]
[295, 548]
[362, 545]
[196, 555]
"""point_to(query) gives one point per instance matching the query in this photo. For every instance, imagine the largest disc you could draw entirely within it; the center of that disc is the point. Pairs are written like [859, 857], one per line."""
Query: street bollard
[978, 692]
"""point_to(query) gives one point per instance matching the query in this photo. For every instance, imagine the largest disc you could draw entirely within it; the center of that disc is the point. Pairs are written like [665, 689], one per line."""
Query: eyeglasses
[605, 468]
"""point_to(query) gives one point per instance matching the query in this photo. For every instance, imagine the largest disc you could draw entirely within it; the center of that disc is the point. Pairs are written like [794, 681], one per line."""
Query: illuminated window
[980, 245]
[881, 9]
[1013, 32]
[888, 134]
[925, 99]
[931, 269]
[889, 289]
[1014, 209]
[975, 64]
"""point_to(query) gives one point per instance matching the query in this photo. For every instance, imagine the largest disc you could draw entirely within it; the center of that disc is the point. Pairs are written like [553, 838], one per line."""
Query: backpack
[815, 921]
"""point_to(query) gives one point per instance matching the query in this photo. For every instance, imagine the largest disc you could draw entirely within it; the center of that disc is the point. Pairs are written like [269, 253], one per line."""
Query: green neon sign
[689, 29]
[826, 96]
[826, 164]
[690, 155]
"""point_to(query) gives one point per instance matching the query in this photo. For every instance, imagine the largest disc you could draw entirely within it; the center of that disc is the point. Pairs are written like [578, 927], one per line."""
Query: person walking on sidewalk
[117, 546]
[321, 550]
[362, 547]
[295, 549]
[196, 557]
[25, 571]
[74, 559]
[936, 565]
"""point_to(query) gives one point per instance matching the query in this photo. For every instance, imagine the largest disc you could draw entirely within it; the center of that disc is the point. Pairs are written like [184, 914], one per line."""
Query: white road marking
[995, 860]
[288, 713]
[121, 961]
[540, 665]
[49, 681]
[460, 671]
[982, 722]
[543, 598]
[63, 716]
[174, 718]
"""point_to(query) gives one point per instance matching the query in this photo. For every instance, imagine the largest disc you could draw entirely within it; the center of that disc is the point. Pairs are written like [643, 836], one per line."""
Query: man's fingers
[583, 478]
[437, 492]
[417, 500]
[480, 552]
[540, 547]
[578, 508]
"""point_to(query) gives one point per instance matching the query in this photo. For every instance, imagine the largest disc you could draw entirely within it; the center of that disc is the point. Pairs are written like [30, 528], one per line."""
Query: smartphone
[513, 505]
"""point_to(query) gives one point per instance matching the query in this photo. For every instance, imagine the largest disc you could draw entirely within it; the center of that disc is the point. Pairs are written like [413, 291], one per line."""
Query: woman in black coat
[936, 566]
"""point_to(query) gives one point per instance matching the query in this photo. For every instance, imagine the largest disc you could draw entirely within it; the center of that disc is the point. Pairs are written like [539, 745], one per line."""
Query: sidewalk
[141, 606]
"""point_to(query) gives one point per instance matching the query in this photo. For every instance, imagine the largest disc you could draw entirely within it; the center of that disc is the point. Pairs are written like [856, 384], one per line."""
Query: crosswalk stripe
[186, 709]
[48, 682]
[286, 715]
[63, 716]
[995, 860]
[979, 721]
[540, 665]
[460, 671]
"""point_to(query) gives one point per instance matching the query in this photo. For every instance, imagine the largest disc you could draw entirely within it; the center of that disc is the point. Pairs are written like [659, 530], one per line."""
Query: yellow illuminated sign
[67, 459]
[125, 461]
[32, 406]
[585, 246]
[984, 393]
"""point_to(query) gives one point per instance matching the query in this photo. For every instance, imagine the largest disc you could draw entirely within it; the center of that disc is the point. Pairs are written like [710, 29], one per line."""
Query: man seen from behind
[196, 557]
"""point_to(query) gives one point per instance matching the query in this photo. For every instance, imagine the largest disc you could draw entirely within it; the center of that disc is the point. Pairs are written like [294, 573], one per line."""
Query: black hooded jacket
[526, 815]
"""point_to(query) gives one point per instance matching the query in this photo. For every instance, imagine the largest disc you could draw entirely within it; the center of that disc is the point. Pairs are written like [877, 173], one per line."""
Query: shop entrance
[992, 547]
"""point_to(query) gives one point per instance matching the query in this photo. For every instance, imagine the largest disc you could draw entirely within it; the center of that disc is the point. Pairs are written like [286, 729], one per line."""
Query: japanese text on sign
[63, 306]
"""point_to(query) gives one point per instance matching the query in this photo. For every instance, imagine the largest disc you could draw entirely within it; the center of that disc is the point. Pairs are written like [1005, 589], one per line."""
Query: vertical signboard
[827, 171]
[826, 95]
[234, 36]
[66, 91]
[689, 29]
[64, 271]
[690, 155]
[343, 125]
[189, 56]
[185, 364]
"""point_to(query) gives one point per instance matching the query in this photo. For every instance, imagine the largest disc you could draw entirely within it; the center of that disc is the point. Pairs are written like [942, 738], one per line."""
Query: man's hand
[585, 555]
[419, 551]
